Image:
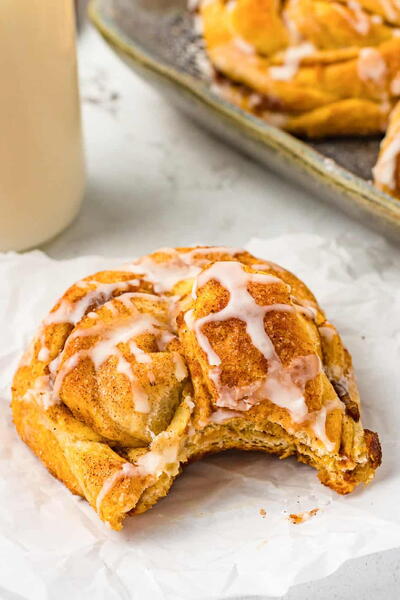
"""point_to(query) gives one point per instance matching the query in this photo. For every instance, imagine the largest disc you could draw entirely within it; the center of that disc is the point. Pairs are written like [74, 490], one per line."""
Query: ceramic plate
[158, 39]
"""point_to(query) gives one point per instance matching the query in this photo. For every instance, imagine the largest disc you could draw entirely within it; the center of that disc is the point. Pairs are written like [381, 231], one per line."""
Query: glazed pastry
[186, 352]
[313, 67]
[387, 169]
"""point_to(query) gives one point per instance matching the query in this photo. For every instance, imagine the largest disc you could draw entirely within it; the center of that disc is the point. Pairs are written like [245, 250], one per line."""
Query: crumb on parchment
[302, 517]
[263, 512]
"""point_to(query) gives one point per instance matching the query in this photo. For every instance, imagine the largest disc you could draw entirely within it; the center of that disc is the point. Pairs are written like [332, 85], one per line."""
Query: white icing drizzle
[241, 305]
[395, 85]
[110, 336]
[386, 166]
[112, 308]
[291, 61]
[318, 424]
[284, 386]
[72, 312]
[177, 266]
[376, 19]
[371, 66]
[355, 16]
[244, 46]
[189, 402]
[127, 470]
[181, 371]
[92, 315]
[292, 28]
[44, 352]
[327, 332]
[305, 307]
[98, 293]
[390, 9]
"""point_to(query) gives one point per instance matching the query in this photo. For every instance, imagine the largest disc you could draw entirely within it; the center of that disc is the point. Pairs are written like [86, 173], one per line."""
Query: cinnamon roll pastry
[179, 354]
[387, 169]
[315, 68]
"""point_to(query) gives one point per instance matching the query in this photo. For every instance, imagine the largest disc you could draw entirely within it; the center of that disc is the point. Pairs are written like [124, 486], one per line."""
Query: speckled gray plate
[157, 39]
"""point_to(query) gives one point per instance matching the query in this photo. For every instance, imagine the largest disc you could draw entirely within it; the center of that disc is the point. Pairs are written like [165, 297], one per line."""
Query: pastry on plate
[179, 354]
[316, 68]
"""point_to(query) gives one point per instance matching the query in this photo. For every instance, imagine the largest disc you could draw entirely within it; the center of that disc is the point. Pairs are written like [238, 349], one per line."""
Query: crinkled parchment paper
[210, 537]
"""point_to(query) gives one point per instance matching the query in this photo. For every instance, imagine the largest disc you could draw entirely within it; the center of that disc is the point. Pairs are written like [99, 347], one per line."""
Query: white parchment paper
[207, 539]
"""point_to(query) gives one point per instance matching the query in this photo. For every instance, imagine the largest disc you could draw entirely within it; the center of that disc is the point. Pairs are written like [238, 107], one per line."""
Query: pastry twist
[182, 353]
[316, 68]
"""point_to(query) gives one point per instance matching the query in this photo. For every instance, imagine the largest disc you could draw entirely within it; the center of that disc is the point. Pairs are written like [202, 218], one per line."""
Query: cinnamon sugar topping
[284, 386]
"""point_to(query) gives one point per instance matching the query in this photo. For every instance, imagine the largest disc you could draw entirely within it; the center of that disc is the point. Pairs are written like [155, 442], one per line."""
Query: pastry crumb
[302, 517]
[263, 512]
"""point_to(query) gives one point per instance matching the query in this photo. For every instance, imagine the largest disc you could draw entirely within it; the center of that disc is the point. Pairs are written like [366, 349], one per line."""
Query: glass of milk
[41, 158]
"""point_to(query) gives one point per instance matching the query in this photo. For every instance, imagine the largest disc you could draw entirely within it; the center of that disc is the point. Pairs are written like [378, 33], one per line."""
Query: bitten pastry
[316, 68]
[182, 353]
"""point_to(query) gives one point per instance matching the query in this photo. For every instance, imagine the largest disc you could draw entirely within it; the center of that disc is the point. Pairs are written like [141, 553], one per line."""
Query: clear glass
[41, 157]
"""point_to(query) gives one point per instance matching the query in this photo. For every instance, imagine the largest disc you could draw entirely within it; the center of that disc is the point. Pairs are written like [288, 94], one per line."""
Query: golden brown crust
[387, 169]
[374, 448]
[350, 57]
[316, 68]
[186, 352]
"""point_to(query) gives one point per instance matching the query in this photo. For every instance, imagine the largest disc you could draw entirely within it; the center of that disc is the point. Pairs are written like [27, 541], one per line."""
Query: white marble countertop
[155, 179]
